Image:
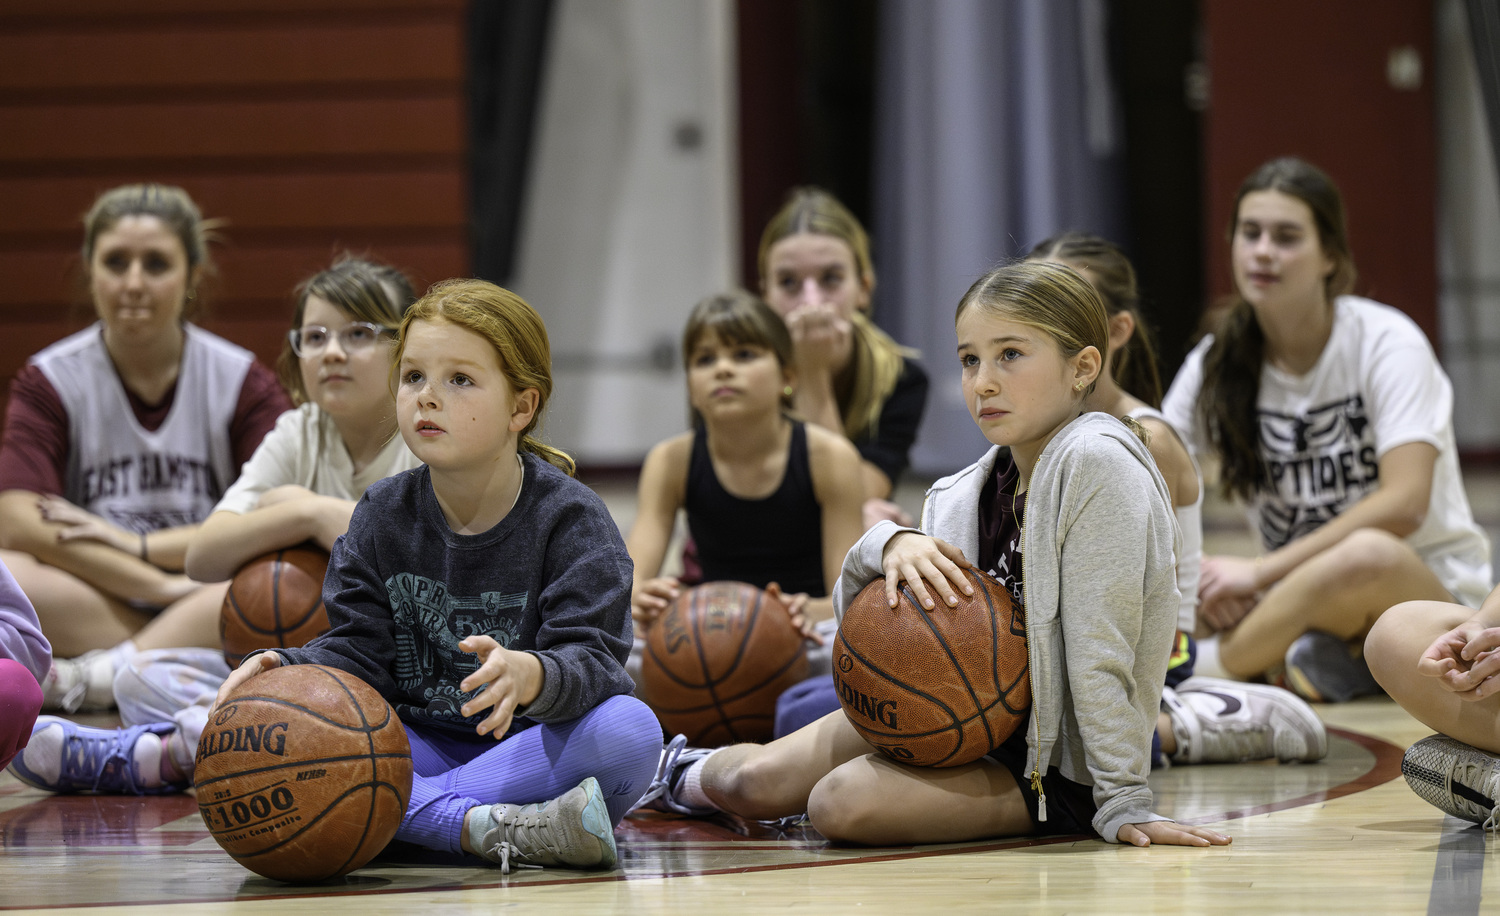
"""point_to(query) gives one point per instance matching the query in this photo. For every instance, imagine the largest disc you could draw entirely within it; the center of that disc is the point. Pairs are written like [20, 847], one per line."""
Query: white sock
[1207, 662]
[690, 788]
[148, 753]
[480, 823]
[43, 755]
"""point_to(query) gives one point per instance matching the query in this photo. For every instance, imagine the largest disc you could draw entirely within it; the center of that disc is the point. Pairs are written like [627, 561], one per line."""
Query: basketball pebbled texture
[716, 660]
[275, 601]
[935, 688]
[303, 774]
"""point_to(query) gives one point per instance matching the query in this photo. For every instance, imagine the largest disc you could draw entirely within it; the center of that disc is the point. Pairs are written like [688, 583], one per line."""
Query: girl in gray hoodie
[1069, 512]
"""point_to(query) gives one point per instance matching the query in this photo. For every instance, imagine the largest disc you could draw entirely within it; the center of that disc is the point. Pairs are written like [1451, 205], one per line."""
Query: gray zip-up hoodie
[1098, 575]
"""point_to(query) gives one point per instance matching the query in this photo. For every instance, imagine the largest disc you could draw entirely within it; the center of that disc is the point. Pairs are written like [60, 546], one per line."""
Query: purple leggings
[20, 702]
[617, 742]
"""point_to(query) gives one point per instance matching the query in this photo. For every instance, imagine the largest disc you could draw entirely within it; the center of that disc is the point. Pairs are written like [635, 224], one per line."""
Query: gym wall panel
[305, 127]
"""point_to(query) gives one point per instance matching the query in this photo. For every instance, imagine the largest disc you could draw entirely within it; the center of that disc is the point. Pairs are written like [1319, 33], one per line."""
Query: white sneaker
[1219, 721]
[1455, 778]
[662, 794]
[570, 831]
[82, 684]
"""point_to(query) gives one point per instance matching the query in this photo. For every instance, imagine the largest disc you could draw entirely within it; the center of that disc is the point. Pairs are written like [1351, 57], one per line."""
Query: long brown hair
[516, 332]
[878, 360]
[1134, 365]
[1232, 365]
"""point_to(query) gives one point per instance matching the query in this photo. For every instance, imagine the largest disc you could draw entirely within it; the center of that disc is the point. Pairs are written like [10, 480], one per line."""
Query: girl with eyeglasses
[301, 485]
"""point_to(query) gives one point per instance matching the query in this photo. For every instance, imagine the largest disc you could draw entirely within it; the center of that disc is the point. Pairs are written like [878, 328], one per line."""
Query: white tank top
[1190, 523]
[140, 479]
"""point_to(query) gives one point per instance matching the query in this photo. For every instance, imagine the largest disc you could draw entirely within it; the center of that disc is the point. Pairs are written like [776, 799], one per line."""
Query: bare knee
[839, 809]
[1398, 639]
[1364, 552]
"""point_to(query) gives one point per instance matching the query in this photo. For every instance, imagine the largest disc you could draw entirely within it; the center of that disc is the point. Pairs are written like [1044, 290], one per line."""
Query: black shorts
[1070, 805]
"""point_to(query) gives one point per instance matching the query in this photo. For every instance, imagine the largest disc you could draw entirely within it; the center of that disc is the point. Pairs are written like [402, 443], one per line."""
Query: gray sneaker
[1220, 721]
[1322, 668]
[1455, 778]
[570, 831]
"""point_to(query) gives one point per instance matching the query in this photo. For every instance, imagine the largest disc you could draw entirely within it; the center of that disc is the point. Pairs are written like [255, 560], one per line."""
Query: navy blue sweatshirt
[552, 578]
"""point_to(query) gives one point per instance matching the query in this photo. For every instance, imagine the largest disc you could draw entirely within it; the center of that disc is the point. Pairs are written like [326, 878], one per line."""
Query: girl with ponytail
[1329, 414]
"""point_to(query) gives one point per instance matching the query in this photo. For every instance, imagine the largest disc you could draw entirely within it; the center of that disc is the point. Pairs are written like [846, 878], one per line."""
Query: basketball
[716, 661]
[934, 688]
[303, 774]
[274, 602]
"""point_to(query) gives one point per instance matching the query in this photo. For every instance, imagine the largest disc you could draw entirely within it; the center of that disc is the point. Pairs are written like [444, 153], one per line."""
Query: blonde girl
[1196, 724]
[486, 595]
[1095, 513]
[853, 379]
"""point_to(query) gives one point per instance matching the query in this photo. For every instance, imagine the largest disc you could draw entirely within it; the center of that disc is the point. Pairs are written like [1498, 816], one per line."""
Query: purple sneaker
[66, 757]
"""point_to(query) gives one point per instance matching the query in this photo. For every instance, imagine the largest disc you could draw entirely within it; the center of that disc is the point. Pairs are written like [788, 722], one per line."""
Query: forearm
[1382, 509]
[229, 540]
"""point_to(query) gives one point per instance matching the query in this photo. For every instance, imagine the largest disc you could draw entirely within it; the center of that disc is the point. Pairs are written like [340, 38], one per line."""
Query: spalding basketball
[717, 659]
[934, 688]
[274, 602]
[303, 773]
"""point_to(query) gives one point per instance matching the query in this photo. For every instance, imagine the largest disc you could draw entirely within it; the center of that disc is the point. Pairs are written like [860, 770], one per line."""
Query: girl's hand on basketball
[506, 680]
[912, 557]
[1168, 833]
[651, 597]
[83, 525]
[250, 667]
[796, 608]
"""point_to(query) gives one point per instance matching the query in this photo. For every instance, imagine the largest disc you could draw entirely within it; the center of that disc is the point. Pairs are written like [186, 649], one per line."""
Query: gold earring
[1080, 386]
[788, 391]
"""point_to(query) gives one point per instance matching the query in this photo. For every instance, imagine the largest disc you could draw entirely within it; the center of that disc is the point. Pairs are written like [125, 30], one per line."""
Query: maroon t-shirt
[35, 443]
[1000, 514]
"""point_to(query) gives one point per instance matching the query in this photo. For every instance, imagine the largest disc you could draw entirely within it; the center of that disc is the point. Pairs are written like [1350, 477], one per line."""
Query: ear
[1121, 328]
[1086, 366]
[866, 290]
[525, 409]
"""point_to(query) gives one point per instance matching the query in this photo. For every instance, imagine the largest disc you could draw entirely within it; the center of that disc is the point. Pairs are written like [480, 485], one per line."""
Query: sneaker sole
[1300, 735]
[596, 822]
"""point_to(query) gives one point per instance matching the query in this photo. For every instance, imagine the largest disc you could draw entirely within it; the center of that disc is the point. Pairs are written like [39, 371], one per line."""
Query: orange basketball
[716, 661]
[935, 688]
[274, 602]
[303, 774]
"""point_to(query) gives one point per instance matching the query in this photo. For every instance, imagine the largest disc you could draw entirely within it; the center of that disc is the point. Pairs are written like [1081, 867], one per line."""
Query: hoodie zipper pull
[1041, 795]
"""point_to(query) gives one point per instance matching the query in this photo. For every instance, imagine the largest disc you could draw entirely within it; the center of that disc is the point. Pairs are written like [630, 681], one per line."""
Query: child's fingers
[478, 645]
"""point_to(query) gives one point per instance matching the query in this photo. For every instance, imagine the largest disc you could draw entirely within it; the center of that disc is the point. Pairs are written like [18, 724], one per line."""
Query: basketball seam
[989, 733]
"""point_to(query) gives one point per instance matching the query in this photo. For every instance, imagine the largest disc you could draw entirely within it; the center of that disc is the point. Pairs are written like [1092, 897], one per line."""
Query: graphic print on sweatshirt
[1317, 464]
[429, 624]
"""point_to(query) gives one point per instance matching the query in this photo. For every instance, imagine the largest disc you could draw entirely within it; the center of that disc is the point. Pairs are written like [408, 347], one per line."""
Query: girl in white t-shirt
[301, 485]
[1330, 416]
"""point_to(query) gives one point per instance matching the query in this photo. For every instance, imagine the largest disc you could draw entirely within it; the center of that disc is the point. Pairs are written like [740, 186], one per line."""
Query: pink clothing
[20, 703]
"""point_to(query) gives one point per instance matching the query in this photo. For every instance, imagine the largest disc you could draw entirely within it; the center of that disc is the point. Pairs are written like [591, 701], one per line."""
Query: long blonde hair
[878, 360]
[516, 332]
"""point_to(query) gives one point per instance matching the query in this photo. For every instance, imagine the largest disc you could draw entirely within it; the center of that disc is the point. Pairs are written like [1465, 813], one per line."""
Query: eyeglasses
[354, 337]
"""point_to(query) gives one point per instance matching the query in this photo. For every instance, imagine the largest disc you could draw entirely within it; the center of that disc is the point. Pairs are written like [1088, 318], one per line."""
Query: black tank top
[759, 541]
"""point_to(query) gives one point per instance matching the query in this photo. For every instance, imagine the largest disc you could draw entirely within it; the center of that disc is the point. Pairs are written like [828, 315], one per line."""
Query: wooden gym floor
[1343, 835]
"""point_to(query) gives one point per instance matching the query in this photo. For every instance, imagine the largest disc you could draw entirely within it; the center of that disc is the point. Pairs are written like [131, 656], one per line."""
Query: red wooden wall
[307, 126]
[1310, 79]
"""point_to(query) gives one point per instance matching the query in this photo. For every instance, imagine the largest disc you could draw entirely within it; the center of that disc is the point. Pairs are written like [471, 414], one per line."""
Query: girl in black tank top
[770, 500]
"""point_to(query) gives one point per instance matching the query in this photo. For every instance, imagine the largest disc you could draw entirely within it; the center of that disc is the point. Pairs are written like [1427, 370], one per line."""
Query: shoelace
[523, 830]
[94, 754]
[661, 783]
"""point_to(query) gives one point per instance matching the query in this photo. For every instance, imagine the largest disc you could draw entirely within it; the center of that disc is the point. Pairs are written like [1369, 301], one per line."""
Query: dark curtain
[507, 50]
[1484, 30]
